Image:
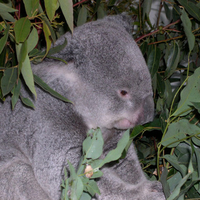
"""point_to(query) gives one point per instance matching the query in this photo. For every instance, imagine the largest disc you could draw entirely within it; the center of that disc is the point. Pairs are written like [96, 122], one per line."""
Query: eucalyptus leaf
[6, 8]
[4, 39]
[76, 189]
[117, 152]
[153, 61]
[31, 7]
[45, 87]
[9, 80]
[27, 102]
[48, 24]
[7, 16]
[22, 29]
[47, 35]
[51, 7]
[177, 131]
[173, 160]
[191, 8]
[85, 196]
[16, 93]
[90, 186]
[32, 40]
[93, 144]
[82, 16]
[188, 29]
[189, 94]
[146, 8]
[172, 60]
[25, 66]
[67, 10]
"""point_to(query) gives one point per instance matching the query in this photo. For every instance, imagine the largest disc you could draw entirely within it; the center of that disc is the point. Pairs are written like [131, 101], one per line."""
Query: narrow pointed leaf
[188, 29]
[189, 94]
[8, 80]
[82, 16]
[4, 39]
[32, 40]
[67, 10]
[50, 7]
[31, 7]
[45, 87]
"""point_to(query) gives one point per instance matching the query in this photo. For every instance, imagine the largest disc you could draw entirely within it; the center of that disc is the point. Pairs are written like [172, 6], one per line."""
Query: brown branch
[76, 4]
[156, 31]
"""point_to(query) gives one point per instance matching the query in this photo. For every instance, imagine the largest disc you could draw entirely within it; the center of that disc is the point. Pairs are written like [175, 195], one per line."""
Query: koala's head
[111, 83]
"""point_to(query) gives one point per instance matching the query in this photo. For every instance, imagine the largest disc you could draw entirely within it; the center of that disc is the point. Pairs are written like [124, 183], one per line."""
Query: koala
[109, 84]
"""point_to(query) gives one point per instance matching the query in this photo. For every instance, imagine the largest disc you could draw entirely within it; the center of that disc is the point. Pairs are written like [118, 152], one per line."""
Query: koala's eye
[123, 92]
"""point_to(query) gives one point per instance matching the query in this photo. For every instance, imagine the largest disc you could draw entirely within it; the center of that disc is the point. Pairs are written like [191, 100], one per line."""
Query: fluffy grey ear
[123, 20]
[73, 52]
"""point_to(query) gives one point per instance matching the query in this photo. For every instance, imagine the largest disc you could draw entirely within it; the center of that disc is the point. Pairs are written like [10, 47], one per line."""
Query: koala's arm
[125, 179]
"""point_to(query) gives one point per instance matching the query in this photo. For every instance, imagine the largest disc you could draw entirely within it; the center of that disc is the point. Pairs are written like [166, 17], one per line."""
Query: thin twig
[76, 4]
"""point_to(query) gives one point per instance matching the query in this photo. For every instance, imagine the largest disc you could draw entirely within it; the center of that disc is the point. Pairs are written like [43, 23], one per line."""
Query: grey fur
[36, 144]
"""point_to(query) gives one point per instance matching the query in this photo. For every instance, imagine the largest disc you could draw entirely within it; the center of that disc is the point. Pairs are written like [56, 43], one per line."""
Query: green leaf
[90, 186]
[22, 29]
[27, 102]
[173, 160]
[189, 94]
[177, 131]
[117, 152]
[197, 154]
[8, 80]
[85, 196]
[57, 48]
[47, 34]
[172, 60]
[46, 21]
[32, 40]
[196, 105]
[67, 10]
[177, 191]
[5, 8]
[4, 39]
[167, 11]
[93, 144]
[26, 70]
[82, 16]
[16, 93]
[98, 3]
[160, 85]
[77, 185]
[153, 61]
[7, 16]
[191, 8]
[101, 13]
[46, 88]
[31, 7]
[146, 8]
[188, 29]
[50, 7]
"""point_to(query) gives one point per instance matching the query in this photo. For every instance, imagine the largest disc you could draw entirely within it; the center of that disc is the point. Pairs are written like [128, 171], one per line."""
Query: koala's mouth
[124, 124]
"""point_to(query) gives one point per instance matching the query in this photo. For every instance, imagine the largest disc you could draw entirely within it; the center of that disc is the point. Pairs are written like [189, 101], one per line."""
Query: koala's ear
[73, 52]
[123, 20]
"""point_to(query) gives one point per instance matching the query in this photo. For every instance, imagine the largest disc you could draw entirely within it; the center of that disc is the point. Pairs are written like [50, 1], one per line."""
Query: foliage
[170, 45]
[81, 185]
